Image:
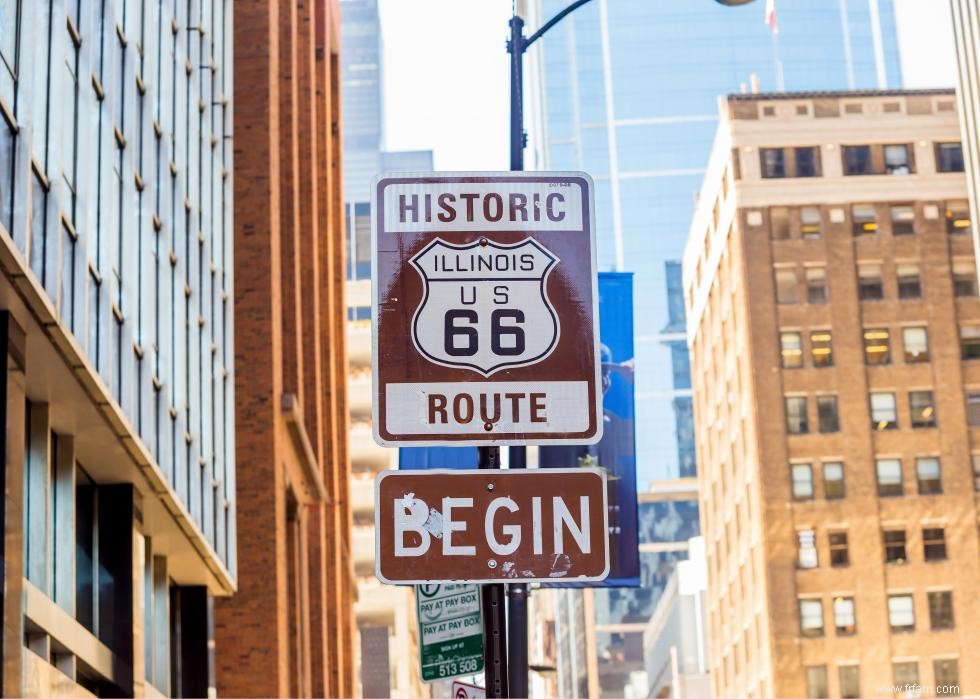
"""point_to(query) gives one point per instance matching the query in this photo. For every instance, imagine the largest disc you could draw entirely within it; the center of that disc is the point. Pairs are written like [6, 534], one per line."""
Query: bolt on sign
[450, 630]
[485, 309]
[483, 526]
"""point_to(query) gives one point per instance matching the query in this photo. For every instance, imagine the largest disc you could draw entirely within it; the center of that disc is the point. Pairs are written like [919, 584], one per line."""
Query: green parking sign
[450, 630]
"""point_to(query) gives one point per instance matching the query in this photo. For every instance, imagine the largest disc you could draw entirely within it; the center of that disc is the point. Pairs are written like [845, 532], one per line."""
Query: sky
[446, 72]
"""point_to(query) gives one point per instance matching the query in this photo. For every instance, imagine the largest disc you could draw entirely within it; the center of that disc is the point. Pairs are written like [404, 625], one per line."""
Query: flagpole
[780, 82]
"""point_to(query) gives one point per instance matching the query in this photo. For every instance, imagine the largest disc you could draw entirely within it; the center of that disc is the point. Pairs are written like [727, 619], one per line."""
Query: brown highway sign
[484, 295]
[484, 526]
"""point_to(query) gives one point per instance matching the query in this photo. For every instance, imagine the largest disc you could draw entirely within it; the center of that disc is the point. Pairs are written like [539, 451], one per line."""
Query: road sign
[450, 630]
[464, 690]
[491, 526]
[485, 309]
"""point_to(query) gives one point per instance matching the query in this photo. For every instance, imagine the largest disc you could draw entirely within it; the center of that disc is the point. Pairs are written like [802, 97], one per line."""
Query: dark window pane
[864, 219]
[773, 162]
[941, 610]
[838, 549]
[949, 157]
[877, 346]
[928, 473]
[934, 543]
[849, 678]
[894, 542]
[816, 285]
[827, 414]
[806, 162]
[958, 216]
[889, 475]
[857, 160]
[821, 348]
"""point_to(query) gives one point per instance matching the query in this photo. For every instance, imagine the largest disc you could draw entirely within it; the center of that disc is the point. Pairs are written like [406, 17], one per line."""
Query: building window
[807, 162]
[808, 551]
[973, 408]
[940, 610]
[975, 459]
[827, 416]
[929, 475]
[877, 346]
[838, 549]
[958, 216]
[802, 476]
[894, 542]
[922, 406]
[864, 219]
[934, 543]
[773, 162]
[916, 343]
[909, 281]
[787, 287]
[816, 285]
[816, 682]
[810, 222]
[849, 678]
[884, 415]
[901, 613]
[857, 160]
[906, 672]
[889, 475]
[791, 349]
[796, 422]
[779, 223]
[964, 278]
[949, 157]
[946, 673]
[811, 618]
[970, 343]
[844, 621]
[833, 480]
[897, 159]
[821, 348]
[870, 286]
[903, 219]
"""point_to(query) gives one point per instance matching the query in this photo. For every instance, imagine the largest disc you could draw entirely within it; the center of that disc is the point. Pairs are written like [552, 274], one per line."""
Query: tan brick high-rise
[834, 327]
[288, 630]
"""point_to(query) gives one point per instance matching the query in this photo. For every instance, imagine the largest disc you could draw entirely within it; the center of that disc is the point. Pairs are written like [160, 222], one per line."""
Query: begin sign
[484, 308]
[491, 526]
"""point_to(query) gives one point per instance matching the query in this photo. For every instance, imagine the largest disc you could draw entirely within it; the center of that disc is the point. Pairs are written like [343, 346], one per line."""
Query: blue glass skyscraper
[627, 90]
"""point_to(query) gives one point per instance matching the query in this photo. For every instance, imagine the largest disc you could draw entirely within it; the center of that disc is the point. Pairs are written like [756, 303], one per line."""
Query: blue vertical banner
[616, 452]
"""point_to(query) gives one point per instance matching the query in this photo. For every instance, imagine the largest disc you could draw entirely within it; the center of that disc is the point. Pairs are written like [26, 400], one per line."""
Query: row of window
[901, 614]
[877, 346]
[864, 159]
[888, 471]
[945, 672]
[870, 282]
[884, 412]
[894, 543]
[807, 222]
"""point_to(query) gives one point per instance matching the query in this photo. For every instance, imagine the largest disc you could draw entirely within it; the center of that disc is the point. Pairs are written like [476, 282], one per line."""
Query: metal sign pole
[517, 593]
[494, 621]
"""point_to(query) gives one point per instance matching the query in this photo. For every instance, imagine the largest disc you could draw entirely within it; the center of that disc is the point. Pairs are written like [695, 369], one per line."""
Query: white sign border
[489, 441]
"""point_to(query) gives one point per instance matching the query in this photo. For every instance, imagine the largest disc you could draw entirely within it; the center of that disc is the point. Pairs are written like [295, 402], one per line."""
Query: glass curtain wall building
[628, 91]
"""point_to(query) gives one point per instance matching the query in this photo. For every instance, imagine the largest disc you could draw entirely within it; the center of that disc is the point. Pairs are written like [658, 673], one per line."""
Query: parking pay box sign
[485, 320]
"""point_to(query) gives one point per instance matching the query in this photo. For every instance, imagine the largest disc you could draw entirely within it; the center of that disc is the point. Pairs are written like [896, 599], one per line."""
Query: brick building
[834, 327]
[288, 631]
[116, 336]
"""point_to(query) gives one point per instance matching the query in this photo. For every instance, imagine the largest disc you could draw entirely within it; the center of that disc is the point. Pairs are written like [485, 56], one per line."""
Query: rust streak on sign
[485, 309]
[488, 526]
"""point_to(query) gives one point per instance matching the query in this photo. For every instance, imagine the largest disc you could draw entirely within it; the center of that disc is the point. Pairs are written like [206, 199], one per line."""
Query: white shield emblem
[485, 305]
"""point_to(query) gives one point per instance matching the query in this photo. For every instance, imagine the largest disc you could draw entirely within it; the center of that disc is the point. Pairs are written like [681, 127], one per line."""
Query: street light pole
[517, 593]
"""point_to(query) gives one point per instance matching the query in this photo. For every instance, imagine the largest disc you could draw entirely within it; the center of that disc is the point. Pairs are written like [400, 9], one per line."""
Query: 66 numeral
[460, 325]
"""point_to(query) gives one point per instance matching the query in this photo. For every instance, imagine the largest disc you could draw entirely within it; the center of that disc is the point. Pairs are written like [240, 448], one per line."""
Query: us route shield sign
[485, 309]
